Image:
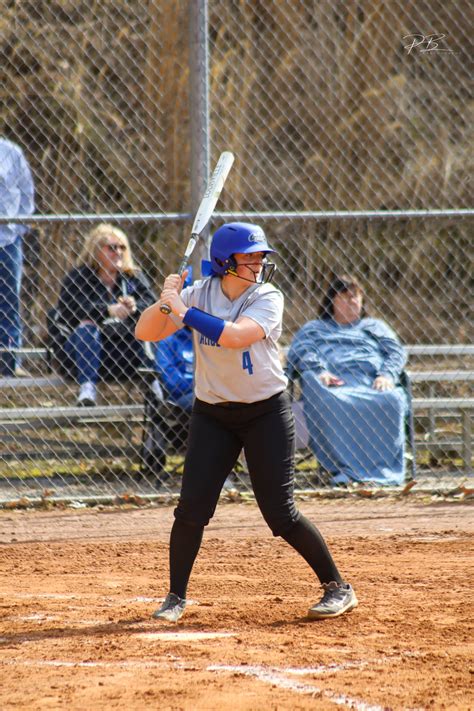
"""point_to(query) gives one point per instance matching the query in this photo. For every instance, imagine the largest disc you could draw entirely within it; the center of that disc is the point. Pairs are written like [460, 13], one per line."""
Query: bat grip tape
[210, 326]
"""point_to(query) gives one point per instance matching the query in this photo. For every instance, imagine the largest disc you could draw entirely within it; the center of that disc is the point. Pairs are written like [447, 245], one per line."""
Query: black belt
[233, 404]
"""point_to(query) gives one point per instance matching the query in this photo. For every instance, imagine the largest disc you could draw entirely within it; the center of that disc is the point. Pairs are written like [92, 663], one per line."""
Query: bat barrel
[205, 210]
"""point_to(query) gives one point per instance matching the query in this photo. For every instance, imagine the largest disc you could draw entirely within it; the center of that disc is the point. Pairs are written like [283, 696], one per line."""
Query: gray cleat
[171, 609]
[337, 599]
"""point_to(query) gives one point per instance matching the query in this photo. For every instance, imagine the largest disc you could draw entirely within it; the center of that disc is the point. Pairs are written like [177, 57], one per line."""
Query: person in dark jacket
[99, 304]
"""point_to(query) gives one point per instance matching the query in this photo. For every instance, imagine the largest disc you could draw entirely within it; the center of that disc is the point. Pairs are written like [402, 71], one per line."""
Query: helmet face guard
[242, 238]
[266, 273]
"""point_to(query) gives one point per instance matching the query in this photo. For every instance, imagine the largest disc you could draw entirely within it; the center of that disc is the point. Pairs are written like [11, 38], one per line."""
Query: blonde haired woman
[99, 304]
[105, 235]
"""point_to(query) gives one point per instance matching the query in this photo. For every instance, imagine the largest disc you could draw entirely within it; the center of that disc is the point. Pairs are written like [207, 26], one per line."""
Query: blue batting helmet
[241, 237]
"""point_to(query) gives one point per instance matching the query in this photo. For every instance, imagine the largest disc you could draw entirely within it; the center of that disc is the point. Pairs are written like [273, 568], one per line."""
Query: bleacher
[428, 410]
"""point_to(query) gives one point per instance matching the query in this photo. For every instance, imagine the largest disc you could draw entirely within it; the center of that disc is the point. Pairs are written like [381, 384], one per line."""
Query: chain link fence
[351, 131]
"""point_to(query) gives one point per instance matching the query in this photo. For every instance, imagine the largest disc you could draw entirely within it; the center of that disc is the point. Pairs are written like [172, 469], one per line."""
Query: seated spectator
[349, 366]
[169, 408]
[92, 328]
[174, 364]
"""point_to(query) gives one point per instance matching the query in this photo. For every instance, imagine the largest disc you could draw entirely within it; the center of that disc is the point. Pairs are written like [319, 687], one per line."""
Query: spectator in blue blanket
[99, 304]
[349, 366]
[16, 198]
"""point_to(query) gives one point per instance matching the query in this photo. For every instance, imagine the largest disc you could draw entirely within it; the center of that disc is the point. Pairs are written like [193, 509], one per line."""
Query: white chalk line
[270, 675]
[325, 668]
[277, 677]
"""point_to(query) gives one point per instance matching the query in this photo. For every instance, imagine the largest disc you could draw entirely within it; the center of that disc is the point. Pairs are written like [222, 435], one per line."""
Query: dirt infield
[78, 589]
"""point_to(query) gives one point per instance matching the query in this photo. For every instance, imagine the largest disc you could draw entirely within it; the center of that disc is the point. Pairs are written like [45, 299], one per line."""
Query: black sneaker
[171, 609]
[337, 599]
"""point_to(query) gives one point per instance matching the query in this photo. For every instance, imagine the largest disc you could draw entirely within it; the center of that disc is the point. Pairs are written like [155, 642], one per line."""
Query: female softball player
[240, 402]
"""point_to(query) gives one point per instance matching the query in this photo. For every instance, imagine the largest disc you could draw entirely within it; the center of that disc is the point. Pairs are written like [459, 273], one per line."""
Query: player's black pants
[265, 430]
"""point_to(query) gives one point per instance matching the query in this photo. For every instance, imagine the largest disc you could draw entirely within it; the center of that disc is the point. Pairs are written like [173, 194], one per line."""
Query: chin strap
[265, 276]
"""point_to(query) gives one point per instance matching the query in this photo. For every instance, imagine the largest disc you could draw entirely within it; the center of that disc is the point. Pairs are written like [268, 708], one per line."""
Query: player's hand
[170, 295]
[173, 281]
[383, 383]
[172, 299]
[329, 379]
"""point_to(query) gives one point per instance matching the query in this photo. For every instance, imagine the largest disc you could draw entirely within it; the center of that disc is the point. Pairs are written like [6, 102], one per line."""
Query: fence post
[199, 112]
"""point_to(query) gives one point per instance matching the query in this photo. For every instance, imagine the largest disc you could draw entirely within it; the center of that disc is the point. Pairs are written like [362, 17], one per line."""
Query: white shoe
[171, 609]
[87, 395]
[337, 599]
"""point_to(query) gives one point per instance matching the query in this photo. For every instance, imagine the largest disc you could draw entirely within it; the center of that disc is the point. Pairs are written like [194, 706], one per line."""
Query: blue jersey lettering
[205, 341]
[247, 362]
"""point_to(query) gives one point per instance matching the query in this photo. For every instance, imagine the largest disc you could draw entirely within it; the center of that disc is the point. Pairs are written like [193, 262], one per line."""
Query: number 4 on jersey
[246, 362]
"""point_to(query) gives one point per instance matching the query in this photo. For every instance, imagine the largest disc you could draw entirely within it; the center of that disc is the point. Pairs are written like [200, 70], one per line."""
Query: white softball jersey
[245, 374]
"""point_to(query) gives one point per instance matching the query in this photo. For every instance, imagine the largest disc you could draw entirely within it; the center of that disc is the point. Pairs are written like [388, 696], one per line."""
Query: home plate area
[78, 590]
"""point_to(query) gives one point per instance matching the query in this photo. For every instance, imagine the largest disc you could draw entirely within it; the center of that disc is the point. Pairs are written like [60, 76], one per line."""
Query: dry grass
[319, 101]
